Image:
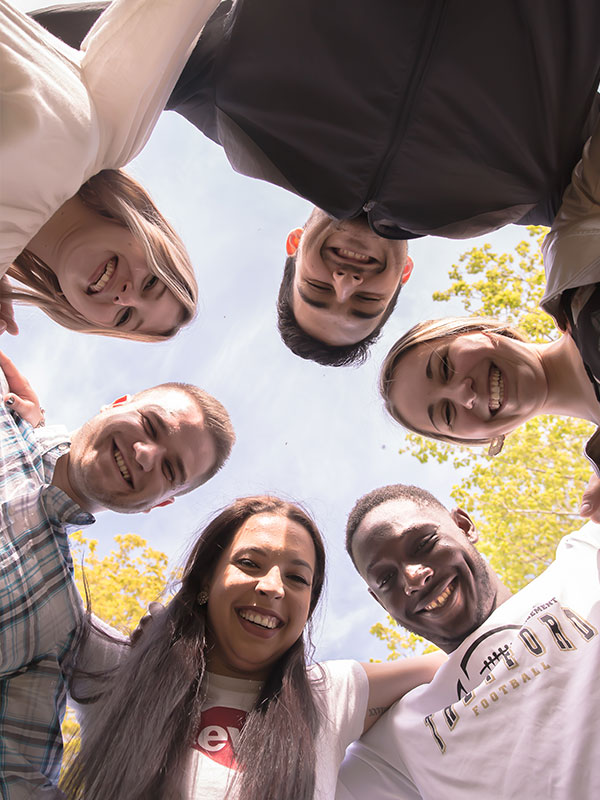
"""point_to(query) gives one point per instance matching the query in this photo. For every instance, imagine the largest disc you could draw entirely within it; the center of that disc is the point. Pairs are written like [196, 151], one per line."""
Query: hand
[155, 611]
[7, 313]
[590, 502]
[21, 398]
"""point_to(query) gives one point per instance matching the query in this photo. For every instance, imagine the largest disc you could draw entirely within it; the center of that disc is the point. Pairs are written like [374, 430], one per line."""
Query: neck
[61, 479]
[570, 391]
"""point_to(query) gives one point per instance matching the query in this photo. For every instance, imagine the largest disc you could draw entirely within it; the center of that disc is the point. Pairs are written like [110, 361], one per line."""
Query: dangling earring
[202, 597]
[496, 445]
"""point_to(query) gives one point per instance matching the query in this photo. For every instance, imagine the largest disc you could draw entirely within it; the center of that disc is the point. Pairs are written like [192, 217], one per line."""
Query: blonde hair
[435, 330]
[115, 195]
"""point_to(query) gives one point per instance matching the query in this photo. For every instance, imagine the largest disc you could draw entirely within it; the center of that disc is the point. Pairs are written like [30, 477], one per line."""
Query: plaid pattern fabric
[40, 607]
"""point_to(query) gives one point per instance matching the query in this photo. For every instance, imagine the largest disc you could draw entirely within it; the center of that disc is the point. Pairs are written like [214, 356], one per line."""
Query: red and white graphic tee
[341, 689]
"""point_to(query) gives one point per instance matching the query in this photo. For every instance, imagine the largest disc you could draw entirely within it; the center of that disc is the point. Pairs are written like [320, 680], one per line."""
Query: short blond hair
[118, 197]
[435, 330]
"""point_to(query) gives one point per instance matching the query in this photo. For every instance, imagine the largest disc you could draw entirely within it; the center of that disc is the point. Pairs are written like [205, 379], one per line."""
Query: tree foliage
[120, 586]
[524, 500]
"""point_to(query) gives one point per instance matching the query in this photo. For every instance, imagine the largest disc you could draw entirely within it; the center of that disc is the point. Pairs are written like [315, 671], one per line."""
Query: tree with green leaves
[526, 499]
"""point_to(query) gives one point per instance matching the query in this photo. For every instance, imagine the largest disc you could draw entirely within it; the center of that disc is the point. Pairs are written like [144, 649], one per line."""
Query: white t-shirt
[343, 688]
[67, 114]
[513, 713]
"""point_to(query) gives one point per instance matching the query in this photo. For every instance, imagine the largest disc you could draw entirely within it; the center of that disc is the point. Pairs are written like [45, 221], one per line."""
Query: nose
[146, 454]
[415, 577]
[271, 583]
[464, 393]
[124, 294]
[345, 282]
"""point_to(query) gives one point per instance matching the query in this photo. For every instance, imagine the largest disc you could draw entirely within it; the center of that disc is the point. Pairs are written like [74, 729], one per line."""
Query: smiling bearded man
[513, 712]
[138, 453]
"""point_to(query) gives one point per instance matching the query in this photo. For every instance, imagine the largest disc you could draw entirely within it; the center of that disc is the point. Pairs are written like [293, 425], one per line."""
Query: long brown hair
[435, 330]
[117, 196]
[139, 743]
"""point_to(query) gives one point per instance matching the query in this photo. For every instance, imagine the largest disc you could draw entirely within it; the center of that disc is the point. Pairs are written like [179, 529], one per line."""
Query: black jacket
[450, 117]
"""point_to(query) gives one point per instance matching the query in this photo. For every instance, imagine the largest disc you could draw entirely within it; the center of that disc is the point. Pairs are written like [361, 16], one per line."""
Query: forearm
[391, 680]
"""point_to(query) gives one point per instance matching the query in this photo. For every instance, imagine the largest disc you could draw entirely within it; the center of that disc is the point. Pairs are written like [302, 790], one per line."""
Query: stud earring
[202, 597]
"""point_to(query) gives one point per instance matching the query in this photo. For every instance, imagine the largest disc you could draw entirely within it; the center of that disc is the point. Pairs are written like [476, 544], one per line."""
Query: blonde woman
[94, 254]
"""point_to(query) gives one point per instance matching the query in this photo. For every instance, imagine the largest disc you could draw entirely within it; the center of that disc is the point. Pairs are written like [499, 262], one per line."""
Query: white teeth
[496, 389]
[351, 254]
[105, 277]
[121, 465]
[260, 619]
[441, 600]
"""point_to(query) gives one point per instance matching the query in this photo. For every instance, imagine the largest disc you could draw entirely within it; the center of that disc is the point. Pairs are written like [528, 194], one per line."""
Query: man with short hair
[340, 285]
[513, 712]
[140, 452]
[450, 119]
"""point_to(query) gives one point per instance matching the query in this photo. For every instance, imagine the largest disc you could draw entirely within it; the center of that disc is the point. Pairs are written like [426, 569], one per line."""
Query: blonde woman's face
[103, 274]
[471, 386]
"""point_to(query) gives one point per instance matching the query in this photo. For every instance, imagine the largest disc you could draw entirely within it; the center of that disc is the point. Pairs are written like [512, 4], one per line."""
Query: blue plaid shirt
[40, 607]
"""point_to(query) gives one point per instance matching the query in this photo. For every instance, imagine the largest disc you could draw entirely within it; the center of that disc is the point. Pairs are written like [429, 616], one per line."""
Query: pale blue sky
[306, 432]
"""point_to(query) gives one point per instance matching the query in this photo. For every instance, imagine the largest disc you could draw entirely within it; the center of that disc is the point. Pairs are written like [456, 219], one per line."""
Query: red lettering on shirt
[218, 734]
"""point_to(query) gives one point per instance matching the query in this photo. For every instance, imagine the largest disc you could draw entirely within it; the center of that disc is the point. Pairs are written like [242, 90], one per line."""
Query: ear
[465, 523]
[293, 241]
[120, 400]
[407, 271]
[166, 502]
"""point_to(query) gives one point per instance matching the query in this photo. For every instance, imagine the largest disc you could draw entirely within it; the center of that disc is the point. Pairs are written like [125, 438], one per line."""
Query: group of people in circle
[84, 242]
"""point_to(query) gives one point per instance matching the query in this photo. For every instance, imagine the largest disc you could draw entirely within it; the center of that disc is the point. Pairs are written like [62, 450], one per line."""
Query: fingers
[590, 502]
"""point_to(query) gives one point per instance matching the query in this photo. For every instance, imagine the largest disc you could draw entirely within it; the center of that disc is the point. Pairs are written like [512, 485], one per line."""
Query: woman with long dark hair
[217, 700]
[96, 255]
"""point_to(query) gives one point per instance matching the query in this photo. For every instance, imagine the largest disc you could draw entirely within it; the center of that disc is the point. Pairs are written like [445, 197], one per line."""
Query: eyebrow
[354, 312]
[429, 374]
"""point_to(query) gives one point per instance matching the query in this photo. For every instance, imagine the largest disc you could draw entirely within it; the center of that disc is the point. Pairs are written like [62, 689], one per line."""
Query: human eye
[123, 318]
[300, 579]
[447, 414]
[246, 563]
[385, 580]
[150, 283]
[169, 472]
[149, 426]
[320, 287]
[425, 542]
[367, 298]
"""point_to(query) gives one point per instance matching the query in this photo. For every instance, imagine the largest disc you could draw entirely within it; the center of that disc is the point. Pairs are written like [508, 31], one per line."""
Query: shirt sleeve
[131, 60]
[572, 247]
[343, 689]
[364, 774]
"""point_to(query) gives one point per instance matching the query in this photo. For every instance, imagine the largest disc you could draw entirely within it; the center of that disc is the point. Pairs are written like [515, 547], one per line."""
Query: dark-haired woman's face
[259, 596]
[471, 386]
[102, 271]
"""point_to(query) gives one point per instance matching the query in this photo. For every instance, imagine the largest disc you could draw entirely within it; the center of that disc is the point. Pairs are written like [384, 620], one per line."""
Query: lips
[122, 466]
[352, 256]
[103, 276]
[439, 599]
[259, 621]
[496, 389]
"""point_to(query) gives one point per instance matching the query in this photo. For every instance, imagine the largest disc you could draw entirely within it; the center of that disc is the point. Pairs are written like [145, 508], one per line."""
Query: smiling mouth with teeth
[262, 620]
[122, 467]
[442, 599]
[104, 278]
[352, 255]
[496, 389]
